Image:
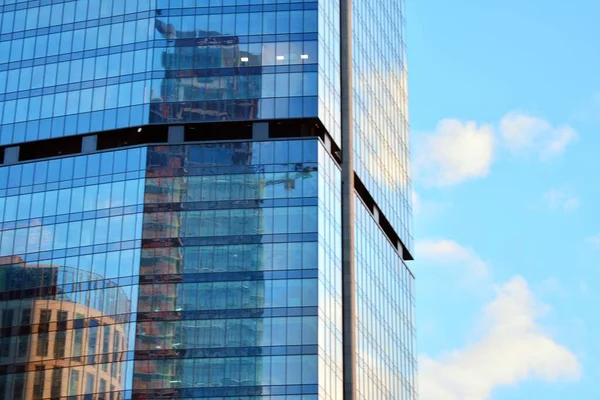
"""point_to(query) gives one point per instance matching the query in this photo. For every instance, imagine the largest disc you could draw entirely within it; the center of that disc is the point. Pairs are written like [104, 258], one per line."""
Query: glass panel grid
[385, 308]
[77, 67]
[380, 97]
[230, 274]
[70, 242]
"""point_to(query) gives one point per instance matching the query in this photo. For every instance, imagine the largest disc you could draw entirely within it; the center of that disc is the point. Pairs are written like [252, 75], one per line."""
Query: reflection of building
[195, 87]
[177, 299]
[57, 340]
[238, 172]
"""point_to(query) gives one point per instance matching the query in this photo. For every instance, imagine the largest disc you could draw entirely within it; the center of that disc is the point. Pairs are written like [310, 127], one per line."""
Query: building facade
[205, 199]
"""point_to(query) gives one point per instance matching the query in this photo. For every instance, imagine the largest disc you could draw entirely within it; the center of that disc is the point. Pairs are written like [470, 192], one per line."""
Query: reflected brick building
[56, 342]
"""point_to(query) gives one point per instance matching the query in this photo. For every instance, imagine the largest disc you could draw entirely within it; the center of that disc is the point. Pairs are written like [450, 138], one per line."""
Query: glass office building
[179, 184]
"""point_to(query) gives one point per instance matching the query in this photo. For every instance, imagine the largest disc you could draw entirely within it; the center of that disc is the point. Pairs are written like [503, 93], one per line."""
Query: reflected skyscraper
[205, 199]
[193, 88]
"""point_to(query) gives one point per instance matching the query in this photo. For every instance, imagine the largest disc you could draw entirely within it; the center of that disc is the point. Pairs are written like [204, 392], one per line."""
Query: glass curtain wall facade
[190, 266]
[69, 263]
[386, 349]
[195, 271]
[74, 67]
[380, 107]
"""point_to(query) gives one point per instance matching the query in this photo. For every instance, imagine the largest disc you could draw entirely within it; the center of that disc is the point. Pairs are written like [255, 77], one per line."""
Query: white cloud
[454, 153]
[450, 254]
[459, 151]
[522, 132]
[560, 200]
[513, 348]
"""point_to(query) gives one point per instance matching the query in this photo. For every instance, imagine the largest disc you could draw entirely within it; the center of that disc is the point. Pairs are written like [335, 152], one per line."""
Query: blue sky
[505, 120]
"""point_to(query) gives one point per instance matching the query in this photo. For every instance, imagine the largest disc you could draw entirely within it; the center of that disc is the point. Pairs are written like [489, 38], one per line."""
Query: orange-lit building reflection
[64, 333]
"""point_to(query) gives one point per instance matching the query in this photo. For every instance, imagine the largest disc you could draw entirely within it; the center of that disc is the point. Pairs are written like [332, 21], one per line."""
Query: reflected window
[38, 383]
[102, 390]
[89, 386]
[7, 318]
[92, 341]
[63, 316]
[3, 384]
[105, 344]
[74, 383]
[22, 346]
[45, 316]
[26, 316]
[18, 386]
[77, 344]
[43, 336]
[55, 389]
[59, 344]
[116, 344]
[5, 348]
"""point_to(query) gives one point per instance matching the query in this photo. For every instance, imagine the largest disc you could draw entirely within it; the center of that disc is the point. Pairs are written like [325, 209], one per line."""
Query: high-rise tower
[205, 199]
